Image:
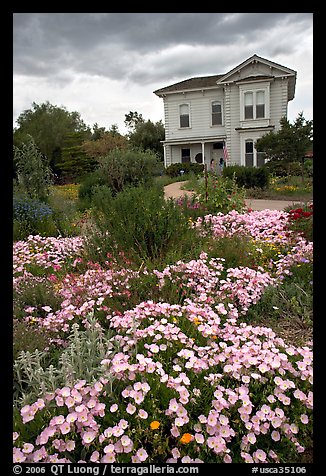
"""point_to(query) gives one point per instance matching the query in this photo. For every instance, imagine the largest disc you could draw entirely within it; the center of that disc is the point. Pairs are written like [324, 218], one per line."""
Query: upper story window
[216, 113]
[254, 105]
[184, 115]
[260, 104]
[248, 106]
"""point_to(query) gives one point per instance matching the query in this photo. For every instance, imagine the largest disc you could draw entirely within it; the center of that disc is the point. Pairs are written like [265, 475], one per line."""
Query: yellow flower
[155, 425]
[186, 438]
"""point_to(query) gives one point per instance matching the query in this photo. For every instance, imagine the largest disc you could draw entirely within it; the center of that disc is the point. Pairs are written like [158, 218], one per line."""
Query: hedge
[248, 177]
[174, 170]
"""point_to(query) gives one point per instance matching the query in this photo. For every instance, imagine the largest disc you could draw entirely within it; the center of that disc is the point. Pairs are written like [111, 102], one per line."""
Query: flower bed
[184, 381]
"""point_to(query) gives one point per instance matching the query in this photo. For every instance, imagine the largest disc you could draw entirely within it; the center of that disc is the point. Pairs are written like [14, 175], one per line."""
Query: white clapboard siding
[234, 142]
[200, 114]
[278, 101]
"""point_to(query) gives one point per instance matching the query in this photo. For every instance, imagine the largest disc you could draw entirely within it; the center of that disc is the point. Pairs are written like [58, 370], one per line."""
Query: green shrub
[248, 177]
[280, 168]
[27, 338]
[88, 184]
[220, 194]
[35, 292]
[308, 167]
[174, 170]
[122, 168]
[34, 175]
[138, 222]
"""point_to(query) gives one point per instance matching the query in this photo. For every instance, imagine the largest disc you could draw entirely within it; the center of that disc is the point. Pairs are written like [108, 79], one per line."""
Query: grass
[164, 180]
[288, 309]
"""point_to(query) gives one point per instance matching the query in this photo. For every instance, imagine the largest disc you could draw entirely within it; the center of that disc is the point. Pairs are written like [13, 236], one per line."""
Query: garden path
[174, 191]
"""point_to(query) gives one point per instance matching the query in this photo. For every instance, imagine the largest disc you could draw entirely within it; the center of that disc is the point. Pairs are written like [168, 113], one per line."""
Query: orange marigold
[186, 438]
[155, 425]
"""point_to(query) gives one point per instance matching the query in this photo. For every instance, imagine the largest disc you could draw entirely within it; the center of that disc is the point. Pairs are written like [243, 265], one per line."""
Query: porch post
[203, 151]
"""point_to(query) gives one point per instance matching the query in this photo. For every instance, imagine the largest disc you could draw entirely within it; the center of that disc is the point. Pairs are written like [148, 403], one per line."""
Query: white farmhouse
[220, 117]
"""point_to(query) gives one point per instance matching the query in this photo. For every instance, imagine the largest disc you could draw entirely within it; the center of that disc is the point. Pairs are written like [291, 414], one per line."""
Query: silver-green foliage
[81, 359]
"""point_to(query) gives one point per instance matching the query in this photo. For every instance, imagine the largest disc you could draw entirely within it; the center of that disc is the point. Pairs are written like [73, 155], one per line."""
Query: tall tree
[290, 143]
[108, 141]
[49, 126]
[132, 119]
[75, 162]
[148, 136]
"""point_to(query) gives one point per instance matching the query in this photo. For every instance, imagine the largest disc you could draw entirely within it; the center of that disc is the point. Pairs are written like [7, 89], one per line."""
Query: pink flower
[251, 437]
[108, 458]
[27, 448]
[109, 449]
[179, 421]
[130, 409]
[18, 456]
[141, 454]
[175, 432]
[95, 457]
[125, 440]
[89, 436]
[173, 405]
[259, 455]
[175, 453]
[143, 414]
[64, 428]
[199, 438]
[276, 422]
[113, 408]
[227, 459]
[70, 445]
[275, 435]
[304, 419]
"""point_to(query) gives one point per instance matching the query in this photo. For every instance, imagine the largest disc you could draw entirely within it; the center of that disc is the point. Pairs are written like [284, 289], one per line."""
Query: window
[254, 105]
[184, 115]
[260, 104]
[248, 107]
[185, 155]
[249, 157]
[216, 113]
[218, 145]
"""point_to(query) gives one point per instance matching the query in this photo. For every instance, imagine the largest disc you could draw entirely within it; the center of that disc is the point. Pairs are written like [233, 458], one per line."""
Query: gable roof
[204, 82]
[287, 72]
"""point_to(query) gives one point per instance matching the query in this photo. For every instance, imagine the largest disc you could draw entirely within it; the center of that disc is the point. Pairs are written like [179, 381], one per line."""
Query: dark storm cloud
[118, 45]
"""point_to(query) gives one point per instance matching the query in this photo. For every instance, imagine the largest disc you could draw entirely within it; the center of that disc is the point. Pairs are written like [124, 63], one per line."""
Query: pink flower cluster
[200, 281]
[269, 225]
[81, 294]
[255, 378]
[46, 252]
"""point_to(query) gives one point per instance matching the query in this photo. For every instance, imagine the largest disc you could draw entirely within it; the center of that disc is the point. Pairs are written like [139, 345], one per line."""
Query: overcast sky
[104, 65]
